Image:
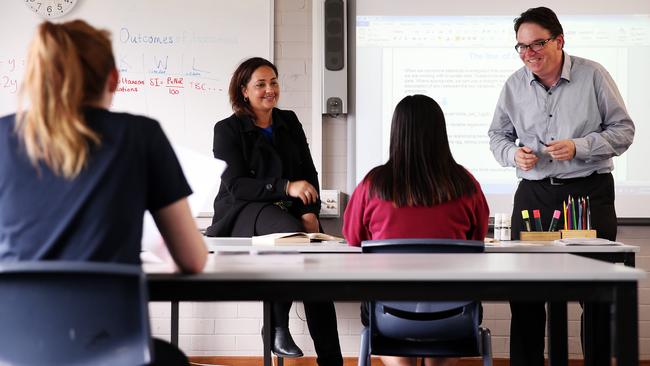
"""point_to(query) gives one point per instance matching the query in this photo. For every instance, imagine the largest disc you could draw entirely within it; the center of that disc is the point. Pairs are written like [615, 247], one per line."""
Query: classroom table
[360, 277]
[610, 253]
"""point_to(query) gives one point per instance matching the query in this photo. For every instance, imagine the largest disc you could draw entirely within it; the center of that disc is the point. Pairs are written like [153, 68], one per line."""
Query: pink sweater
[372, 219]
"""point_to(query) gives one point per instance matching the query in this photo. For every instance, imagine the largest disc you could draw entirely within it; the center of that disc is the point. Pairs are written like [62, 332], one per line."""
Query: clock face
[49, 9]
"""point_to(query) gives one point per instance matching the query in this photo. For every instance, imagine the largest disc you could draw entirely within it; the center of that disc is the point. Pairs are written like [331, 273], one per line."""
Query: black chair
[73, 313]
[424, 329]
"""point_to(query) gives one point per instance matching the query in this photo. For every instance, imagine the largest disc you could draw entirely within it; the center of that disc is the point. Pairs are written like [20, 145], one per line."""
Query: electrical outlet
[330, 205]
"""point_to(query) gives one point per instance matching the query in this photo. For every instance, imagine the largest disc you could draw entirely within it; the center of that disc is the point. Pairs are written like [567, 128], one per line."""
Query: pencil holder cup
[578, 234]
[539, 235]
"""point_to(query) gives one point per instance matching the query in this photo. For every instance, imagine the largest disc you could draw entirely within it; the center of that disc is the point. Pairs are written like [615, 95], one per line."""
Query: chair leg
[486, 346]
[364, 348]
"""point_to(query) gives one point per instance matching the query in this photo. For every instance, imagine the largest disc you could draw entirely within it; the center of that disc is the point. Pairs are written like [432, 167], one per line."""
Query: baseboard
[348, 361]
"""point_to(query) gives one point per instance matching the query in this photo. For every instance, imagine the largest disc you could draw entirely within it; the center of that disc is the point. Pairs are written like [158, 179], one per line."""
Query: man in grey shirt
[559, 120]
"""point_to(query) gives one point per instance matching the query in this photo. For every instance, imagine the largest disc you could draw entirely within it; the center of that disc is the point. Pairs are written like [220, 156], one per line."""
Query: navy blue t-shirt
[96, 216]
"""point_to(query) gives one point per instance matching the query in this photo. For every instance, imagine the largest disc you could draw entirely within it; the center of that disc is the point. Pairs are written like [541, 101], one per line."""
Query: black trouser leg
[272, 219]
[280, 313]
[527, 329]
[321, 316]
[605, 222]
[321, 320]
[595, 329]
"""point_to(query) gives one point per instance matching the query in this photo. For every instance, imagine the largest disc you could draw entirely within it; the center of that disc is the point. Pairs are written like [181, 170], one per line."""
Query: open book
[292, 238]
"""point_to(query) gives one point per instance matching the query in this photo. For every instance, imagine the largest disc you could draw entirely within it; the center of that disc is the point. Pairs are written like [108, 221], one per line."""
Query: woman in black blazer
[270, 185]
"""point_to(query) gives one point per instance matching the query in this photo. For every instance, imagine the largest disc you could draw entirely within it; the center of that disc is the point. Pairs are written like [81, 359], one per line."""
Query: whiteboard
[461, 53]
[175, 57]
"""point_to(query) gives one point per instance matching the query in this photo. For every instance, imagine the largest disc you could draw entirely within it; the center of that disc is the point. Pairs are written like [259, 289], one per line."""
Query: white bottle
[505, 227]
[498, 223]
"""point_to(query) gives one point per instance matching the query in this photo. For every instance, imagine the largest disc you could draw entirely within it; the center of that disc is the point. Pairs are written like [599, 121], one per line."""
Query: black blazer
[258, 170]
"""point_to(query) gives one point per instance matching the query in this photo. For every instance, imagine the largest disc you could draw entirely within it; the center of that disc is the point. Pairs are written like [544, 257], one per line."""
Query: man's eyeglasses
[535, 46]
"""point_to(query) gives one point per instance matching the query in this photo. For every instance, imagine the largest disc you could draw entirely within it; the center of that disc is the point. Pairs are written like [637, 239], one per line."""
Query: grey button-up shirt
[585, 106]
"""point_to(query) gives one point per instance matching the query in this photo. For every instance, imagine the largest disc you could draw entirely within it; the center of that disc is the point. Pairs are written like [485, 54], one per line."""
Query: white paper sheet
[203, 174]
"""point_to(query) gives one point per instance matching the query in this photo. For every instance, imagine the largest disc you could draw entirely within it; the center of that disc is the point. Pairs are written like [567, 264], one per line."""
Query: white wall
[233, 328]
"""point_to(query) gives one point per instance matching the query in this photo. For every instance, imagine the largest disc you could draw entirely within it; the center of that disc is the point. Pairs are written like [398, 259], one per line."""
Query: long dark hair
[240, 78]
[420, 170]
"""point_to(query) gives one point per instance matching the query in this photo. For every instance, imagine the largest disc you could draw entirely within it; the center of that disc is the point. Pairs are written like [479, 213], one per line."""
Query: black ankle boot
[283, 344]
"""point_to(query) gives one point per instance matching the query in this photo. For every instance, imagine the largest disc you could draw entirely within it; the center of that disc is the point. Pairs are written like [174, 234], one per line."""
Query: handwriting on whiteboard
[135, 37]
[11, 69]
[177, 75]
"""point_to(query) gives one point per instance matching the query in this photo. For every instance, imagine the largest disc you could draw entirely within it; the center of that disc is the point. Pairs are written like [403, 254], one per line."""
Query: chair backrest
[428, 328]
[73, 313]
[422, 246]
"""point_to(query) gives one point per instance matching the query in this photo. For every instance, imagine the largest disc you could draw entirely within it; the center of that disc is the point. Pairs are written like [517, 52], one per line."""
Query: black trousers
[528, 320]
[321, 316]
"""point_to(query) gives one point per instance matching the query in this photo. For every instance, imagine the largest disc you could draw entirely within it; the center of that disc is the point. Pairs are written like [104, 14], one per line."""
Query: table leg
[629, 259]
[627, 325]
[558, 354]
[174, 336]
[266, 334]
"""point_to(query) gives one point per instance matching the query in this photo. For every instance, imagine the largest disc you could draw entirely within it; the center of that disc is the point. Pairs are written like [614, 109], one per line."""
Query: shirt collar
[566, 67]
[566, 70]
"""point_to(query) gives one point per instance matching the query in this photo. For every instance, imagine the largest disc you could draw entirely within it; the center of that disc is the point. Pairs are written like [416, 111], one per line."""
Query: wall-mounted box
[330, 203]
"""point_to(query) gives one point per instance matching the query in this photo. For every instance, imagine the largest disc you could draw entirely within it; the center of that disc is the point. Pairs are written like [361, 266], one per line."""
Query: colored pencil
[573, 213]
[588, 214]
[579, 217]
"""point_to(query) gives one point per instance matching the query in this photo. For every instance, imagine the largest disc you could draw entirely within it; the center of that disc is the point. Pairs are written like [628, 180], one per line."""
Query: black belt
[562, 181]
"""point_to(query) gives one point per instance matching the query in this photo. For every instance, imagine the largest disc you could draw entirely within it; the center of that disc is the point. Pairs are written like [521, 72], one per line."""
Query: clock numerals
[50, 8]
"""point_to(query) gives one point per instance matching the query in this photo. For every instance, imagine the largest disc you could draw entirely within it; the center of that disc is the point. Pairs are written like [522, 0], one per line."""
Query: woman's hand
[310, 223]
[303, 190]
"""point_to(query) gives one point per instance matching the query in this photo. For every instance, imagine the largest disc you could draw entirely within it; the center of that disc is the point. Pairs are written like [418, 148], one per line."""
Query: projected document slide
[463, 62]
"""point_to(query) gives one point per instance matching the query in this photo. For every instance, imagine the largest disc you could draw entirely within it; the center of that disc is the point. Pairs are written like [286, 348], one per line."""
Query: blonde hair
[67, 67]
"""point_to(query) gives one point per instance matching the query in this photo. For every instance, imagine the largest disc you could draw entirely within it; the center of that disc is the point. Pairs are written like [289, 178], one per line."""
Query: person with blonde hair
[75, 178]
